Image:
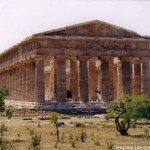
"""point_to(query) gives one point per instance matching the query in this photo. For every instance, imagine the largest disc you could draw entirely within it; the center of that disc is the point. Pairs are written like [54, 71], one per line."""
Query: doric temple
[78, 64]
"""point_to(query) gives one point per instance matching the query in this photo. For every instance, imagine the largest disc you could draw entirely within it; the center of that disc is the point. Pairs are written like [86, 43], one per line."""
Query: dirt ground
[101, 133]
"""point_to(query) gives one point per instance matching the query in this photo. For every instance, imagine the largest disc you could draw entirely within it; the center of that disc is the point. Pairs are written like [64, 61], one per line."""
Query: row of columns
[25, 82]
[112, 77]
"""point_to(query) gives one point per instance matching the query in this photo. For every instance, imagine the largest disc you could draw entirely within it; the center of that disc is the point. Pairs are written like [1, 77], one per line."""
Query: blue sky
[22, 18]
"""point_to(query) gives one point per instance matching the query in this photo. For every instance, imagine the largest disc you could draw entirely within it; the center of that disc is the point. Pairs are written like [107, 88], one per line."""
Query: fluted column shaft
[13, 84]
[74, 79]
[146, 78]
[83, 79]
[28, 82]
[39, 81]
[20, 81]
[126, 77]
[117, 78]
[16, 83]
[105, 81]
[24, 95]
[60, 79]
[136, 78]
[93, 79]
[32, 80]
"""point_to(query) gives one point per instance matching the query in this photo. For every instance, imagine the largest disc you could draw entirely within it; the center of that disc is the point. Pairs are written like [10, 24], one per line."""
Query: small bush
[91, 123]
[109, 144]
[79, 125]
[36, 141]
[146, 131]
[77, 138]
[18, 136]
[1, 140]
[54, 118]
[9, 113]
[56, 144]
[83, 136]
[72, 140]
[62, 138]
[31, 131]
[51, 133]
[39, 124]
[6, 145]
[3, 129]
[96, 140]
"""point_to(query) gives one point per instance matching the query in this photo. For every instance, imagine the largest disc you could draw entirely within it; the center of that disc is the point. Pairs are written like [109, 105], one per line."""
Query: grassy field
[99, 132]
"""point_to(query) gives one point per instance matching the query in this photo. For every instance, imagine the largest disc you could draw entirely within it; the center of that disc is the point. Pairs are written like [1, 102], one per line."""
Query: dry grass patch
[20, 133]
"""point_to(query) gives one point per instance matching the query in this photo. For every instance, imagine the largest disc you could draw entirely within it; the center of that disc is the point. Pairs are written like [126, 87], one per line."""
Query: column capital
[145, 59]
[72, 58]
[61, 57]
[39, 58]
[105, 58]
[130, 59]
[84, 58]
[117, 61]
[93, 59]
[136, 60]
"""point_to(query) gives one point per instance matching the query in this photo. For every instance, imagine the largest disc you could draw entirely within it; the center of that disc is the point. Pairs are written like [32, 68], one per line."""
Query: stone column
[47, 78]
[47, 92]
[52, 80]
[112, 78]
[24, 95]
[7, 79]
[20, 92]
[126, 77]
[74, 79]
[117, 78]
[16, 84]
[105, 80]
[28, 82]
[14, 97]
[55, 79]
[60, 79]
[136, 77]
[99, 75]
[146, 78]
[13, 84]
[93, 79]
[83, 79]
[68, 75]
[39, 81]
[1, 79]
[32, 80]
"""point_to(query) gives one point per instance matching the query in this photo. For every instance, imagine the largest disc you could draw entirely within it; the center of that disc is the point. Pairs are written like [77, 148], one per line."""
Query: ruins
[72, 65]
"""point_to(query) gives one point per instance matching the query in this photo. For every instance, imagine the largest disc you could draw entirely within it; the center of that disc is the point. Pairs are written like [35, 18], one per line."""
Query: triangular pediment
[92, 29]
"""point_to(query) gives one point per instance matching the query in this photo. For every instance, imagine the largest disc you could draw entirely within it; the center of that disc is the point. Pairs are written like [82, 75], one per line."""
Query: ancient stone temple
[76, 64]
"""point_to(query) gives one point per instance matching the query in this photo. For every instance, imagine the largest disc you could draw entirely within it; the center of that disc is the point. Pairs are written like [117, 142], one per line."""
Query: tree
[54, 118]
[128, 109]
[3, 93]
